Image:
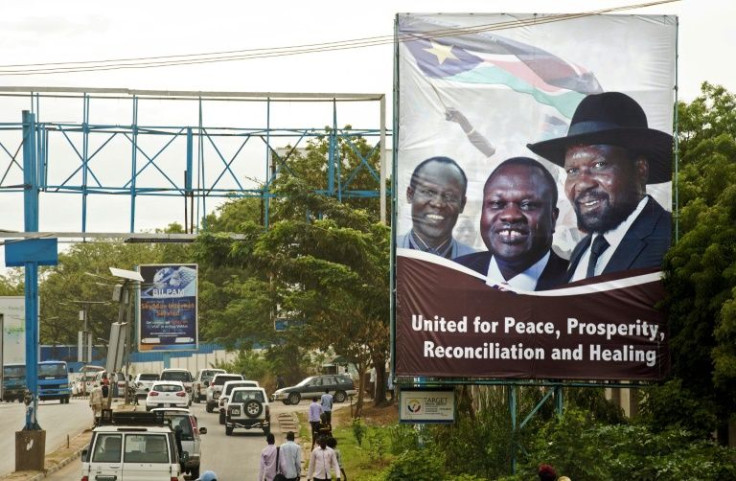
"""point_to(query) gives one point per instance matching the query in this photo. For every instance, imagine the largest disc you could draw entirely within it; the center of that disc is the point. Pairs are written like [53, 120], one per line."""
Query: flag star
[442, 52]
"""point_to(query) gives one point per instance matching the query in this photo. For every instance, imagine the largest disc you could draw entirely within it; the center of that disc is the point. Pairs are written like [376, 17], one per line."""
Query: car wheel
[228, 431]
[294, 398]
[253, 408]
[208, 408]
[340, 396]
[286, 402]
[222, 418]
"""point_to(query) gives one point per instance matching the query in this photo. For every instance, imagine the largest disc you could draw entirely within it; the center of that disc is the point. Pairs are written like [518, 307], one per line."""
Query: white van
[132, 446]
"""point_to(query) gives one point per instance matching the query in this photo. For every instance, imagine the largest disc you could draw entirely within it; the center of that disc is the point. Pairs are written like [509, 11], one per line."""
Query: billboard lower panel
[468, 329]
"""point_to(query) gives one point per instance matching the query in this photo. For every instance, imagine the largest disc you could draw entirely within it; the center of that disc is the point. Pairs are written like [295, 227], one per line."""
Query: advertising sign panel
[168, 308]
[533, 195]
[419, 406]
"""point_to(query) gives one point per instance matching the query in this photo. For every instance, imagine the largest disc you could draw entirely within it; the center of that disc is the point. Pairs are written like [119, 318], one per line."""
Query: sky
[41, 32]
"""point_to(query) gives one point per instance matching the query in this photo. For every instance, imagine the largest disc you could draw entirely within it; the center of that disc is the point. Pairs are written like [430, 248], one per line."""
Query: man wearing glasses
[436, 193]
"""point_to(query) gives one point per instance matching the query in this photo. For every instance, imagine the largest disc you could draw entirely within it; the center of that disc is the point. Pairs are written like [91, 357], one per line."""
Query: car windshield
[48, 370]
[148, 377]
[208, 375]
[176, 376]
[232, 386]
[220, 380]
[306, 381]
[167, 388]
[241, 396]
[182, 421]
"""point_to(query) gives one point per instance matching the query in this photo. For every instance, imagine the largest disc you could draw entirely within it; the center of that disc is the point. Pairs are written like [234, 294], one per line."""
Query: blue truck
[53, 381]
[14, 382]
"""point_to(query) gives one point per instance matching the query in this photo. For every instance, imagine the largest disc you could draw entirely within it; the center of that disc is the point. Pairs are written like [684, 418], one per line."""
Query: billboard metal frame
[204, 177]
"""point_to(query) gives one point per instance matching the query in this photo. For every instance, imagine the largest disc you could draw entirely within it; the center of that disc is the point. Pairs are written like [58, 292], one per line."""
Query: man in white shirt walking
[322, 463]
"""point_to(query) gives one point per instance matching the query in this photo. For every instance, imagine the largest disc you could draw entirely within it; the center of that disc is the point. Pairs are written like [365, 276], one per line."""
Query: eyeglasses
[426, 193]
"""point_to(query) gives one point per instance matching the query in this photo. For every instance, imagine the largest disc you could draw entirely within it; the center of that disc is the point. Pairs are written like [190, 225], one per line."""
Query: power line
[275, 52]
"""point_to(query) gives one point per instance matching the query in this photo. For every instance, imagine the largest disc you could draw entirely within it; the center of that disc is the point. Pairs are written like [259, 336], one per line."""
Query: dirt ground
[372, 415]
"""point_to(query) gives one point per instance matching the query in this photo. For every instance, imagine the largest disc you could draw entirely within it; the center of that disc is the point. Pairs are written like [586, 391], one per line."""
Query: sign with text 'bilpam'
[533, 202]
[420, 406]
[168, 307]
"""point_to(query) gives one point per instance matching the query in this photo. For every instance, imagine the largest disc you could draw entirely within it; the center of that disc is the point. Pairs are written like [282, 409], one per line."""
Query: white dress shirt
[614, 238]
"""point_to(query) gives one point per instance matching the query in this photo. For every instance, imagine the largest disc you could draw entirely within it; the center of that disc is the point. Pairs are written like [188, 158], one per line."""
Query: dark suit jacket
[644, 244]
[553, 275]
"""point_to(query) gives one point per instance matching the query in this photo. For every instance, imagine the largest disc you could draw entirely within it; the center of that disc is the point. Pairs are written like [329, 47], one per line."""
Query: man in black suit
[610, 155]
[517, 222]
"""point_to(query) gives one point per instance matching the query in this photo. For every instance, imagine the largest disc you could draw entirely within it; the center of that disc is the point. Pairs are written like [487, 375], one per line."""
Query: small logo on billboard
[414, 406]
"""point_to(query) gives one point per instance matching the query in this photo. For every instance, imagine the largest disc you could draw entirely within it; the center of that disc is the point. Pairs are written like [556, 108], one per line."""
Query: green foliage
[359, 430]
[672, 406]
[403, 437]
[700, 269]
[581, 448]
[252, 365]
[418, 465]
[377, 443]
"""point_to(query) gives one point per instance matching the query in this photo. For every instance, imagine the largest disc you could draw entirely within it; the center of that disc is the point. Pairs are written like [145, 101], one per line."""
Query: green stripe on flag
[565, 102]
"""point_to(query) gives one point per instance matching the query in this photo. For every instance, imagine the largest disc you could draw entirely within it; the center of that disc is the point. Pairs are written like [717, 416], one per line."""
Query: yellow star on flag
[442, 52]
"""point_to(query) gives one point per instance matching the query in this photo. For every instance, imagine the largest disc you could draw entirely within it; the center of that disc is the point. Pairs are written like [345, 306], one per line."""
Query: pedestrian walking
[95, 403]
[332, 444]
[290, 460]
[322, 463]
[315, 412]
[267, 468]
[324, 430]
[326, 403]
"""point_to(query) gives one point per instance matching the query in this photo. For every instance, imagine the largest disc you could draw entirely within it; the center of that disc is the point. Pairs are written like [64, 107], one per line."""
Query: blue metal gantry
[193, 145]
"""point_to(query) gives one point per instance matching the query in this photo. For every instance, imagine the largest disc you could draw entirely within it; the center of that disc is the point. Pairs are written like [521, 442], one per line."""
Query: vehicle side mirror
[85, 451]
[203, 430]
[206, 383]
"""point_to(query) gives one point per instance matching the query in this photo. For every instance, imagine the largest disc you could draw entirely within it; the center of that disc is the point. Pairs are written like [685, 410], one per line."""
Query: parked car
[190, 440]
[215, 389]
[132, 446]
[248, 408]
[227, 388]
[201, 381]
[339, 385]
[167, 394]
[173, 374]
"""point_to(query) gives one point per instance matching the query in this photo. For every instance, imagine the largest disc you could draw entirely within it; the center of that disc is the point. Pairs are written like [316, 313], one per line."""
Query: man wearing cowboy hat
[610, 155]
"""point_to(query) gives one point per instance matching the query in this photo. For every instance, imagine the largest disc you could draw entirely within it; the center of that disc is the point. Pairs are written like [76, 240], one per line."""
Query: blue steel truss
[116, 152]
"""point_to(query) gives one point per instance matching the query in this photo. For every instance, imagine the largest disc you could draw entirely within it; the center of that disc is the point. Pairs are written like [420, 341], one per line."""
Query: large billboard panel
[533, 195]
[168, 308]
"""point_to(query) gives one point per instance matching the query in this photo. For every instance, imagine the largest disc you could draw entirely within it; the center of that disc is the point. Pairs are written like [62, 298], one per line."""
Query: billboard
[168, 308]
[532, 195]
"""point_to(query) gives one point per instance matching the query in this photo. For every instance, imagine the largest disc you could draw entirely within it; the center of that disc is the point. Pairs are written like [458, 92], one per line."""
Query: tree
[322, 263]
[82, 280]
[700, 268]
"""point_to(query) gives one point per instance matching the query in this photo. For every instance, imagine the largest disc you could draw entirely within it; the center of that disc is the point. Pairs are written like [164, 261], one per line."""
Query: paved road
[233, 457]
[58, 420]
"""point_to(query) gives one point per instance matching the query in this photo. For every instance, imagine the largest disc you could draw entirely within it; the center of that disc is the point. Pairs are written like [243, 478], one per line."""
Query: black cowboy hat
[613, 118]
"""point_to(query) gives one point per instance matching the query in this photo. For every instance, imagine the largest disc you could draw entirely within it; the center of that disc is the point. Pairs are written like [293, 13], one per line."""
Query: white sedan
[164, 394]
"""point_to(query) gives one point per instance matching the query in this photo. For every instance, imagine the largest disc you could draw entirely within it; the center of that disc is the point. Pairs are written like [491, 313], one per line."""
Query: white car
[190, 436]
[132, 446]
[143, 382]
[248, 409]
[215, 389]
[224, 398]
[166, 394]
